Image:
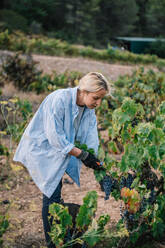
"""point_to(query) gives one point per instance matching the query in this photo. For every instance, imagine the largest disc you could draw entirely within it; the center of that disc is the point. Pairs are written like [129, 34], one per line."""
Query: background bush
[21, 71]
[11, 20]
[157, 48]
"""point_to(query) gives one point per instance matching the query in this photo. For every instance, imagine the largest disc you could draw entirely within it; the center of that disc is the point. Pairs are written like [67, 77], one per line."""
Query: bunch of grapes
[135, 122]
[107, 186]
[128, 218]
[147, 201]
[127, 181]
[131, 199]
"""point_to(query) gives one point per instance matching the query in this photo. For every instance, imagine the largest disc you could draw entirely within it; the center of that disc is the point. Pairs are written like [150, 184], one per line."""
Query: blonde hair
[94, 81]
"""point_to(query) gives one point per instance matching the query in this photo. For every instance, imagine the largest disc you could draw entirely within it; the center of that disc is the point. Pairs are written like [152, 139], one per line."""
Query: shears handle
[99, 163]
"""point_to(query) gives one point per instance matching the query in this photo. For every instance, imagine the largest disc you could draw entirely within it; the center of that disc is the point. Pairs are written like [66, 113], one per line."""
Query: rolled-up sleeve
[53, 118]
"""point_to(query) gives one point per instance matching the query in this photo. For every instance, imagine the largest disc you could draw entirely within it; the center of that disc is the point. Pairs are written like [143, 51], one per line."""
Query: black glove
[90, 160]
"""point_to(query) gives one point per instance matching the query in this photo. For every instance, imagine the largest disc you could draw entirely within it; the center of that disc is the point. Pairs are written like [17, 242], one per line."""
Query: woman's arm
[92, 140]
[53, 119]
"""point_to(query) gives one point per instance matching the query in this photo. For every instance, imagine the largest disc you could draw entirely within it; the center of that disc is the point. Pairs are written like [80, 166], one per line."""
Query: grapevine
[140, 171]
[137, 178]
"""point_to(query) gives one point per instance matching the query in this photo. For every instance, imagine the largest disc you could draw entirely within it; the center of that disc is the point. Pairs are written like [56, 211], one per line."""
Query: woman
[47, 146]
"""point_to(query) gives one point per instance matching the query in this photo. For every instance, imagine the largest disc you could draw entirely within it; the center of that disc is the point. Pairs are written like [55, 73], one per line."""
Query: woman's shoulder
[60, 96]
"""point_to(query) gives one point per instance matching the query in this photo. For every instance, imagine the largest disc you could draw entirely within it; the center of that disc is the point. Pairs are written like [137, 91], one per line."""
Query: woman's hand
[75, 152]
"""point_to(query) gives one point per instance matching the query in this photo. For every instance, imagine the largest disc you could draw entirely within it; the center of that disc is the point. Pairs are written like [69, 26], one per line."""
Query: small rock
[6, 202]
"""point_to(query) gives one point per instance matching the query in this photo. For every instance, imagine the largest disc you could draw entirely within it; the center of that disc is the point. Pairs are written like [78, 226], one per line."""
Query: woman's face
[93, 99]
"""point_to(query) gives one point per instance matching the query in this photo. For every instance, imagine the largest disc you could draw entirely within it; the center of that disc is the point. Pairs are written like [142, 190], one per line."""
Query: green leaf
[112, 147]
[87, 210]
[99, 175]
[101, 153]
[91, 237]
[4, 224]
[162, 150]
[116, 194]
[125, 135]
[134, 237]
[123, 164]
[158, 229]
[102, 221]
[61, 221]
[156, 136]
[153, 152]
[129, 107]
[162, 108]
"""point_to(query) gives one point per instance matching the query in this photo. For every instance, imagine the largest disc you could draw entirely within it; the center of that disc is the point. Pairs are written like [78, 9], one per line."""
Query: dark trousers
[56, 197]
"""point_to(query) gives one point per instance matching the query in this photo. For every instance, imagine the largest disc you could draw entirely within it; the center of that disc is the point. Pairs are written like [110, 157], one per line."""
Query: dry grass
[10, 91]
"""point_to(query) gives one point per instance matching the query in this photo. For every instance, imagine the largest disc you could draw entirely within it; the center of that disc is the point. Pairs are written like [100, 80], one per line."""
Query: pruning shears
[99, 164]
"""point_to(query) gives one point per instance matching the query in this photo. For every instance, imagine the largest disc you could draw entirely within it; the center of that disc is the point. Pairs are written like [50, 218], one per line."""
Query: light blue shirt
[50, 136]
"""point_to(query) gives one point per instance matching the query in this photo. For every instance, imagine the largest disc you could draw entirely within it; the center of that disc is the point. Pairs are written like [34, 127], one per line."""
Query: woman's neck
[80, 98]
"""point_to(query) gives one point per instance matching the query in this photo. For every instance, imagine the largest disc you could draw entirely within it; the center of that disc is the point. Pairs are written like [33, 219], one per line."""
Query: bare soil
[20, 197]
[62, 64]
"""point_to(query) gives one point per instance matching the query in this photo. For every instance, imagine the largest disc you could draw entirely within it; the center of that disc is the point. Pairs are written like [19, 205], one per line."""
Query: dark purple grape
[107, 183]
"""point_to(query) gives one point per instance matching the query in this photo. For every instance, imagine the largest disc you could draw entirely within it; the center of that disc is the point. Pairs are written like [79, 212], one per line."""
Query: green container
[137, 44]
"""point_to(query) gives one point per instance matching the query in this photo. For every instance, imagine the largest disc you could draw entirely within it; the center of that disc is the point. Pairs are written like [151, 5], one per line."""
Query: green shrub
[43, 45]
[13, 42]
[13, 21]
[67, 79]
[15, 116]
[20, 45]
[147, 88]
[21, 70]
[55, 81]
[5, 40]
[4, 224]
[144, 87]
[70, 230]
[3, 150]
[157, 48]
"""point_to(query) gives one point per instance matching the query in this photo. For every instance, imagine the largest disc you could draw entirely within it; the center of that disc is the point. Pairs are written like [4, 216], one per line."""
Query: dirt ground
[61, 64]
[19, 194]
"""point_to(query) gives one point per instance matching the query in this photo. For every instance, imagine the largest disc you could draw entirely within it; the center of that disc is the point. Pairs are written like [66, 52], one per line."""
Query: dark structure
[137, 44]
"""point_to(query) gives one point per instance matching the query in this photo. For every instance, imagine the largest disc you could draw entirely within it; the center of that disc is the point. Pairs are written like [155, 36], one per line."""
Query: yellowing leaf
[9, 109]
[76, 82]
[13, 100]
[3, 102]
[16, 167]
[3, 132]
[7, 186]
[33, 207]
[50, 87]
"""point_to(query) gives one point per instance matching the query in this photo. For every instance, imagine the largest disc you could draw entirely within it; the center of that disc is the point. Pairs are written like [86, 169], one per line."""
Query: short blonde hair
[94, 81]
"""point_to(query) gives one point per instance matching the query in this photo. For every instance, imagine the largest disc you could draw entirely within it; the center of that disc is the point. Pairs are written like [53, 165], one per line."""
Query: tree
[15, 22]
[41, 11]
[141, 23]
[4, 4]
[90, 22]
[80, 19]
[156, 17]
[116, 18]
